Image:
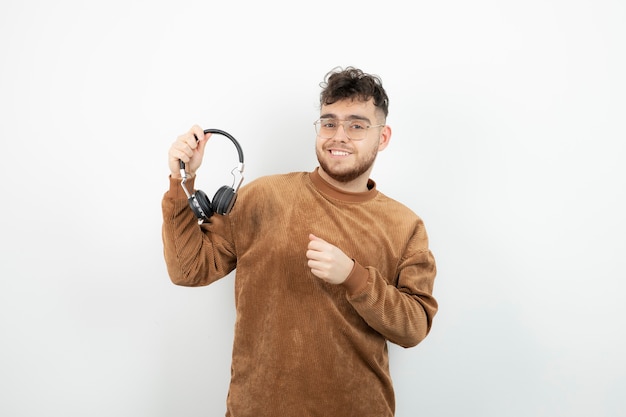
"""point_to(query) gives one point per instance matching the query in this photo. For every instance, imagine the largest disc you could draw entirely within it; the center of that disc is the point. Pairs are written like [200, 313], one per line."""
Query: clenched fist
[327, 261]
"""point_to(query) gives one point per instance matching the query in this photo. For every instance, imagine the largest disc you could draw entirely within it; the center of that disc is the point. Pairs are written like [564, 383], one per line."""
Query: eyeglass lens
[354, 129]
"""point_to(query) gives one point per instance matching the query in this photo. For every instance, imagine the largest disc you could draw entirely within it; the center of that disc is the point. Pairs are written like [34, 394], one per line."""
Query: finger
[181, 149]
[189, 140]
[320, 259]
[197, 133]
[176, 151]
[317, 243]
[316, 269]
[316, 246]
[312, 237]
[202, 142]
[314, 255]
[176, 155]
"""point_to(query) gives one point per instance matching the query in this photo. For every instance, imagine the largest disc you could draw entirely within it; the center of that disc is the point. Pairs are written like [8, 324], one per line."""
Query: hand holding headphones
[192, 151]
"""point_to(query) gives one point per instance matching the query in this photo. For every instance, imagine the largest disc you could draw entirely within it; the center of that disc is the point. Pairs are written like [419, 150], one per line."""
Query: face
[345, 160]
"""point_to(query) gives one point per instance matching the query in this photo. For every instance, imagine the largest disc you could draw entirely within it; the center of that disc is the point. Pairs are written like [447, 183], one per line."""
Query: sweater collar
[334, 192]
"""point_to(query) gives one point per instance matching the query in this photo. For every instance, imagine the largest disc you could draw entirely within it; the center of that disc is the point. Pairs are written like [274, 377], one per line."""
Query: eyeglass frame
[318, 123]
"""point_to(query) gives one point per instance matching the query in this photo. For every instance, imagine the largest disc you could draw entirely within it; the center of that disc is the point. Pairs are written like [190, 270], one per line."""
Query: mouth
[338, 153]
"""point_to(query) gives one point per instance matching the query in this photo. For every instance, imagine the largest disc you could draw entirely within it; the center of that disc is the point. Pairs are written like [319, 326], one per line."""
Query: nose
[344, 136]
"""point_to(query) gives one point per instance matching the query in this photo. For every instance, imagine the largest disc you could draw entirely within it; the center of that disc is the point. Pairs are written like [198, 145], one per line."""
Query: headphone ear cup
[224, 199]
[204, 208]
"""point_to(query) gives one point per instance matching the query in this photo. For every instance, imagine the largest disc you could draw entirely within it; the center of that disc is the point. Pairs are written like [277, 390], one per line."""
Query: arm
[403, 312]
[195, 255]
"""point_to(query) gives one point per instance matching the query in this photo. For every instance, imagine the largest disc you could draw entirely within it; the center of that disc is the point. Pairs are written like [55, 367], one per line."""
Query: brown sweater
[304, 347]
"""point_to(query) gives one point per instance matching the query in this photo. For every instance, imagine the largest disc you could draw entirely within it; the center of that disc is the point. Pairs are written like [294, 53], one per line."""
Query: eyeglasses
[354, 129]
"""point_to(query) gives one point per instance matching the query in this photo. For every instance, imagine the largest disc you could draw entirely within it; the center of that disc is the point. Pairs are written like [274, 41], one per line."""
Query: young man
[328, 269]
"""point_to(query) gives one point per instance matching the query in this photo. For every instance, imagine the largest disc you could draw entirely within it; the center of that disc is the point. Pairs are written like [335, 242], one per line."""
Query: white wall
[508, 139]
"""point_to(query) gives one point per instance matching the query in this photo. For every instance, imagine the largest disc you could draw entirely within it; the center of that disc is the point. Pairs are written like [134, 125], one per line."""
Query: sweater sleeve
[402, 313]
[195, 255]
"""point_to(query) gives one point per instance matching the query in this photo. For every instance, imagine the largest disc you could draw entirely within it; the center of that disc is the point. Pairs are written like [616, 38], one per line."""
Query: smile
[335, 152]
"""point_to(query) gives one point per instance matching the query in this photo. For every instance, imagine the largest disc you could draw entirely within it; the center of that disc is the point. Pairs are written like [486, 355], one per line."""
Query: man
[328, 269]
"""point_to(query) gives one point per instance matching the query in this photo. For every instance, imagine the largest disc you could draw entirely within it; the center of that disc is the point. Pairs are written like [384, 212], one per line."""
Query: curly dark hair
[353, 84]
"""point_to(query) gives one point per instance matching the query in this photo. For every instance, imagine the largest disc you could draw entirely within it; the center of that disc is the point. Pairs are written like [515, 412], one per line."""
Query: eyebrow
[350, 117]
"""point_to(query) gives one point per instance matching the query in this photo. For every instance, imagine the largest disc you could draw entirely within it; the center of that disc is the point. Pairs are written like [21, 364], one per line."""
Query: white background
[509, 136]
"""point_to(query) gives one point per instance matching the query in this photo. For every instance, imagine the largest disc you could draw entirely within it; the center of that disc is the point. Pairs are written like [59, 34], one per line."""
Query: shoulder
[276, 183]
[269, 194]
[394, 204]
[276, 180]
[394, 209]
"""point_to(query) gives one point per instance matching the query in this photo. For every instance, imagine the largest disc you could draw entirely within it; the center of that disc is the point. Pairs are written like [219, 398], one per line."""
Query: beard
[348, 174]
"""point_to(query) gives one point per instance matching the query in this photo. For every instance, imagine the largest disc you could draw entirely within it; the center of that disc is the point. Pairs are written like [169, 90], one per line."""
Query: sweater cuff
[176, 191]
[357, 280]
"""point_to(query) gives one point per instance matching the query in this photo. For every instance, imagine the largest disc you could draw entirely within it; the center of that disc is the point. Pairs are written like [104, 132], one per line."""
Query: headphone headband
[229, 136]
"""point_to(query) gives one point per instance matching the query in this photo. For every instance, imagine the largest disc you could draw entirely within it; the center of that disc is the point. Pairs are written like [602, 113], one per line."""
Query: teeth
[339, 153]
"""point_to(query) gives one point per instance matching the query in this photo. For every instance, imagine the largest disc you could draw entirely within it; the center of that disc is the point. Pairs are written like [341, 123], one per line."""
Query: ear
[385, 137]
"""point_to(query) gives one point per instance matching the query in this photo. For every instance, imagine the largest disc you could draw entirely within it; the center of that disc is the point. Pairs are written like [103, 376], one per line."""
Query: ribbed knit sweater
[302, 346]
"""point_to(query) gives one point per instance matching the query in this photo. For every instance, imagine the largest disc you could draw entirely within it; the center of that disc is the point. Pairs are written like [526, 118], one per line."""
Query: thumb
[202, 143]
[312, 238]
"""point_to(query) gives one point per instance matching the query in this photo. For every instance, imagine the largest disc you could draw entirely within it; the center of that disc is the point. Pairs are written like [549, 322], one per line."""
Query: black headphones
[224, 198]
